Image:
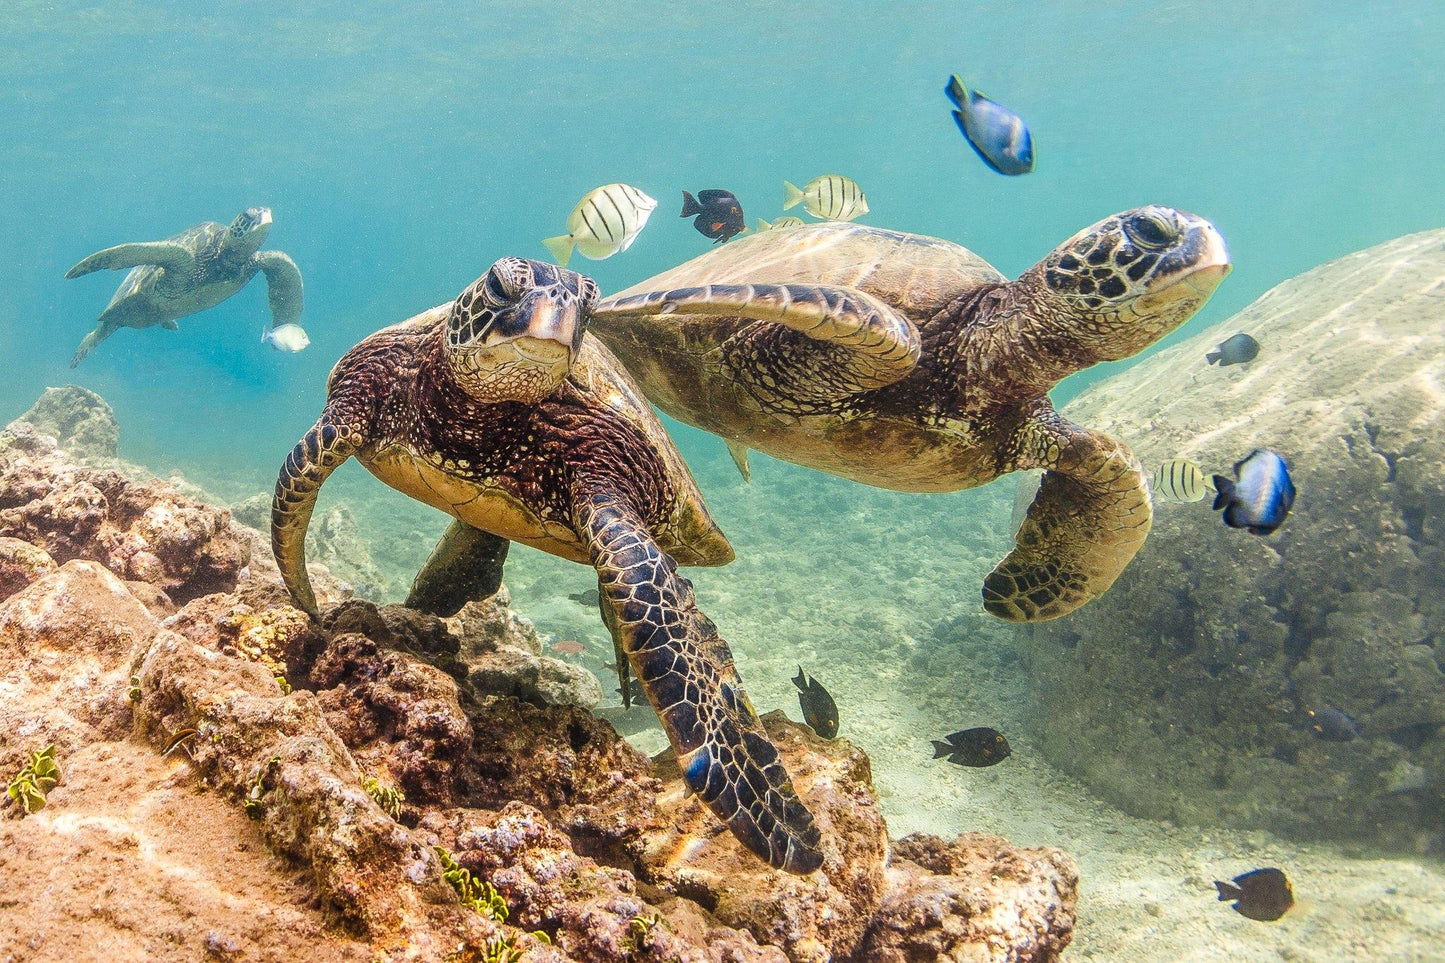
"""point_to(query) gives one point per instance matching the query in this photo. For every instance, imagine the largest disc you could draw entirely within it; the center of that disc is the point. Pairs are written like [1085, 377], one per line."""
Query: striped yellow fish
[603, 223]
[1181, 480]
[780, 223]
[832, 197]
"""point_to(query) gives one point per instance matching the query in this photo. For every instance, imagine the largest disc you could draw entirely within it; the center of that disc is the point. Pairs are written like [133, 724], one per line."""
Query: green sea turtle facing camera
[500, 411]
[190, 272]
[907, 362]
[820, 712]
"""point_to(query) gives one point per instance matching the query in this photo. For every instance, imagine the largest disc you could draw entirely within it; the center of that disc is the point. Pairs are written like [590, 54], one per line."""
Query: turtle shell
[914, 273]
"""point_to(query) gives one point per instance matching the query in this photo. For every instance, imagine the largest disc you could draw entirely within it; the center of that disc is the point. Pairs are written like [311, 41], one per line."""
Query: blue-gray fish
[603, 223]
[1260, 495]
[997, 134]
[1180, 480]
[831, 196]
[1236, 349]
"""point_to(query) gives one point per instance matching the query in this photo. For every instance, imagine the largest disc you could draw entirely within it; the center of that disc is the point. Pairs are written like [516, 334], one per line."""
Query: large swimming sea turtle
[909, 363]
[498, 410]
[192, 271]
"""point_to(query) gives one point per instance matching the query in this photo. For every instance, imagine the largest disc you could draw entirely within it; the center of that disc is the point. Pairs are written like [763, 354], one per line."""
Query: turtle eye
[1151, 231]
[506, 281]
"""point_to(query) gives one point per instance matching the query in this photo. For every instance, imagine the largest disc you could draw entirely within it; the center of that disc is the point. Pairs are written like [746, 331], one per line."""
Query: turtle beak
[549, 329]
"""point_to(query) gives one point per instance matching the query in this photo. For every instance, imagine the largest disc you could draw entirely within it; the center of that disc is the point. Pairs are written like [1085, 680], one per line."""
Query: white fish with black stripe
[1181, 480]
[832, 197]
[603, 223]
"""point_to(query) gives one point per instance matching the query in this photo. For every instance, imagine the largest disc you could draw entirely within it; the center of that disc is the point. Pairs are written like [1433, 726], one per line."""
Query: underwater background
[403, 148]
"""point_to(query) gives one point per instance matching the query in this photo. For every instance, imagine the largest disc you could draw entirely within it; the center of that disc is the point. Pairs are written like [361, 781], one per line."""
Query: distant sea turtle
[499, 411]
[909, 363]
[192, 271]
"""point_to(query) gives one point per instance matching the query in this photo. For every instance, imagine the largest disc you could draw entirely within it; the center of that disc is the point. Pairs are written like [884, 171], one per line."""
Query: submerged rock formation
[440, 785]
[1186, 691]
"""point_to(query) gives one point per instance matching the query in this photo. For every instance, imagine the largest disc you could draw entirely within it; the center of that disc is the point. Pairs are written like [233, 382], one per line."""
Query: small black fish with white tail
[977, 747]
[1259, 496]
[1260, 894]
[718, 214]
[1237, 349]
[820, 712]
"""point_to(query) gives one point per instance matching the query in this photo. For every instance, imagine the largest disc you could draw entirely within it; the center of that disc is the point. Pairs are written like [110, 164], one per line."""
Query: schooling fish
[820, 712]
[1260, 496]
[719, 215]
[1261, 894]
[779, 223]
[1333, 725]
[1236, 349]
[286, 337]
[976, 747]
[832, 197]
[1180, 480]
[996, 133]
[603, 223]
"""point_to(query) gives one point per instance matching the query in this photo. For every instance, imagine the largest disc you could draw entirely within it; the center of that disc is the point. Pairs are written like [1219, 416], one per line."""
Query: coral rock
[20, 564]
[80, 421]
[976, 898]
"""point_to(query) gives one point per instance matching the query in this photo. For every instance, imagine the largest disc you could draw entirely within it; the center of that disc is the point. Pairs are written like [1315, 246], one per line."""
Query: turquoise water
[403, 148]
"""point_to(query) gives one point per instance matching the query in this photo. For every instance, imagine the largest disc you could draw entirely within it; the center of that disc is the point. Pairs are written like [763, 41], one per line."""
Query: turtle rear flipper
[1088, 520]
[862, 343]
[320, 452]
[465, 566]
[687, 672]
[168, 254]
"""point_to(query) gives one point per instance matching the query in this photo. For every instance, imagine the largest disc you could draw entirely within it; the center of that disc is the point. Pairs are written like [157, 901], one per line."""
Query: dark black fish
[1260, 495]
[820, 712]
[589, 597]
[976, 747]
[1237, 349]
[1333, 725]
[719, 215]
[634, 693]
[1261, 894]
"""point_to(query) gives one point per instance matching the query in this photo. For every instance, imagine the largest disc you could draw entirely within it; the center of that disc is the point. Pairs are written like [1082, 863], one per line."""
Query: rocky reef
[435, 789]
[1186, 692]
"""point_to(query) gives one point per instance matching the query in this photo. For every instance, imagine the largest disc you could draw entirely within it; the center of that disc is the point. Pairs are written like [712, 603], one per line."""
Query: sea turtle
[500, 411]
[907, 362]
[192, 271]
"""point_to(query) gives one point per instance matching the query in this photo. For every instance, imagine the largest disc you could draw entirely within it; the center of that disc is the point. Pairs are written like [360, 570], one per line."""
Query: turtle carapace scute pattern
[907, 362]
[499, 410]
[190, 272]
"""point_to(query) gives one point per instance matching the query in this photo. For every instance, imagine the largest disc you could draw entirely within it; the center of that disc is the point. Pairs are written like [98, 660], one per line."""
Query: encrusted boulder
[141, 531]
[1186, 691]
[81, 422]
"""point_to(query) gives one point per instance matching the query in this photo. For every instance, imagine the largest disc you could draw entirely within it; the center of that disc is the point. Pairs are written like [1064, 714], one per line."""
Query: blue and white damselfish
[1260, 496]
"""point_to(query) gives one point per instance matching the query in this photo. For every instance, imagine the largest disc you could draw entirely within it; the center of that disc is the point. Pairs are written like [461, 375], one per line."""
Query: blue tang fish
[1259, 497]
[999, 135]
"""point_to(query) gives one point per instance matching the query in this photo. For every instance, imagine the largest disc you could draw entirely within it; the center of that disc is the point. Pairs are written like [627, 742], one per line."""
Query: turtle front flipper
[310, 463]
[466, 566]
[688, 675]
[168, 254]
[1088, 520]
[859, 343]
[283, 286]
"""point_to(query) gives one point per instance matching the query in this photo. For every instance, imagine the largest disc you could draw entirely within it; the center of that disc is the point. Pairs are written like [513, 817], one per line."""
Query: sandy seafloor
[876, 593]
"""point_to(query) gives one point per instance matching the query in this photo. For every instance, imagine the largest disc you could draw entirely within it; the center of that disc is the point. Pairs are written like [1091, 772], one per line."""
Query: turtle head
[514, 333]
[248, 231]
[1117, 287]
